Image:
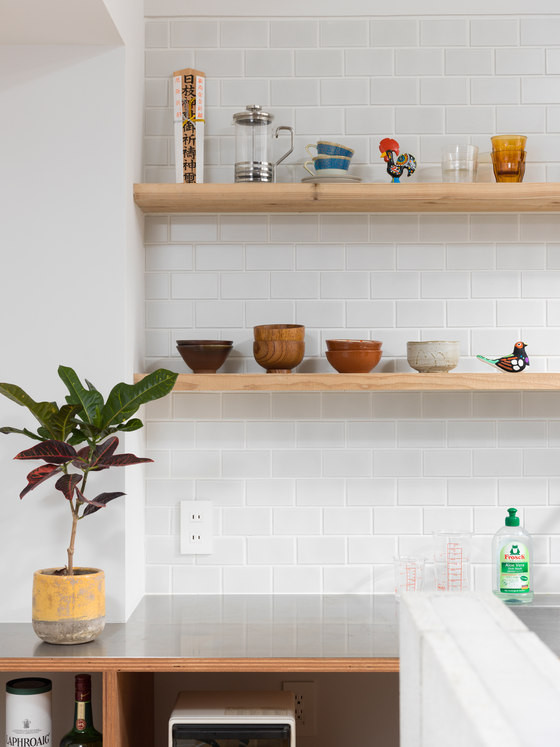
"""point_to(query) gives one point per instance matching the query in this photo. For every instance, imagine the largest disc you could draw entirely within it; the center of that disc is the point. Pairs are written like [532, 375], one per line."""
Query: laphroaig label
[514, 569]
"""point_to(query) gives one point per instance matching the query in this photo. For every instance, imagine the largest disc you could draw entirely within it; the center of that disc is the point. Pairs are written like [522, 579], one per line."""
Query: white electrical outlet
[196, 527]
[305, 706]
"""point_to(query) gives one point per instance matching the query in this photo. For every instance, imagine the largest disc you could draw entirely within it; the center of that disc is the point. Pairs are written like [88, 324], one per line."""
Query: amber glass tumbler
[509, 165]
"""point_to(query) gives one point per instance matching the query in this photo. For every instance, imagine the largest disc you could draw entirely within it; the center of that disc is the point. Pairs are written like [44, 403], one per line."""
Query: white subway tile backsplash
[469, 119]
[339, 463]
[495, 90]
[446, 33]
[312, 489]
[296, 580]
[294, 92]
[343, 33]
[519, 61]
[394, 91]
[474, 491]
[270, 492]
[344, 92]
[384, 32]
[269, 63]
[421, 257]
[321, 550]
[465, 61]
[419, 62]
[539, 90]
[444, 91]
[397, 521]
[319, 122]
[426, 492]
[447, 463]
[194, 33]
[539, 31]
[419, 120]
[420, 313]
[199, 285]
[490, 32]
[319, 492]
[245, 33]
[196, 580]
[252, 521]
[294, 33]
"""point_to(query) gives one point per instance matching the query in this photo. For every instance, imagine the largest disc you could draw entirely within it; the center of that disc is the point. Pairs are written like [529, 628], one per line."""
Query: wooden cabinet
[212, 634]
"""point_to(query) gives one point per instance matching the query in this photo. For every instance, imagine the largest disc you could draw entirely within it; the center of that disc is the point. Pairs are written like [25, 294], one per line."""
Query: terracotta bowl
[278, 356]
[433, 356]
[204, 356]
[354, 361]
[353, 344]
[279, 332]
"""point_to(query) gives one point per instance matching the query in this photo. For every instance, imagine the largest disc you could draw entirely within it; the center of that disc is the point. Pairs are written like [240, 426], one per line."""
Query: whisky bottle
[83, 733]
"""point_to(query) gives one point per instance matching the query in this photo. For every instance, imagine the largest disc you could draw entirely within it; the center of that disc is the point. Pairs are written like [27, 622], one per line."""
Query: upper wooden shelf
[348, 198]
[374, 382]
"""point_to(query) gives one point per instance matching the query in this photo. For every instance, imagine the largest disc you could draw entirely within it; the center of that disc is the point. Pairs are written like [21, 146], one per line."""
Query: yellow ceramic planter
[68, 609]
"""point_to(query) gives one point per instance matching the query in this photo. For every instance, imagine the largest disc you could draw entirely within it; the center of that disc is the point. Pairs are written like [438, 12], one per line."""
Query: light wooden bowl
[294, 332]
[278, 356]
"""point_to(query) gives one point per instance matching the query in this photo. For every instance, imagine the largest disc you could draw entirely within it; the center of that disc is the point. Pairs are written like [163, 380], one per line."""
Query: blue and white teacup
[324, 163]
[326, 148]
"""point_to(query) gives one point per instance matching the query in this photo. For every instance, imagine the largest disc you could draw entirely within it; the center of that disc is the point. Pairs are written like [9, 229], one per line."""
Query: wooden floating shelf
[374, 382]
[349, 198]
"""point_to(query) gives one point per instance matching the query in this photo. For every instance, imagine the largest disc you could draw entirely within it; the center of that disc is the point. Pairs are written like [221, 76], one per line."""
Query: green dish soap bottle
[512, 562]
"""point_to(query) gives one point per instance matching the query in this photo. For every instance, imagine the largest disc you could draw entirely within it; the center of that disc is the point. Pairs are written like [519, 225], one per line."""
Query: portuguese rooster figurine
[396, 164]
[513, 363]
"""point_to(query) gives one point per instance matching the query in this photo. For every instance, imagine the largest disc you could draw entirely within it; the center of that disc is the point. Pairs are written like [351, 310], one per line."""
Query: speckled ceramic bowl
[433, 356]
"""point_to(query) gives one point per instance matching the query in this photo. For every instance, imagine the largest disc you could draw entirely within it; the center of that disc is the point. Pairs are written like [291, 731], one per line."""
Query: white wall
[67, 243]
[314, 492]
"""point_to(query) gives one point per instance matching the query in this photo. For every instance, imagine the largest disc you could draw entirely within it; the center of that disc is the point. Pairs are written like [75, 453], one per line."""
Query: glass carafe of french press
[253, 145]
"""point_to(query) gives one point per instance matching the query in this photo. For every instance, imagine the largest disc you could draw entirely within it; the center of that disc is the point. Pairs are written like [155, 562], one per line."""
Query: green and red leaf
[122, 460]
[100, 502]
[83, 499]
[39, 475]
[55, 452]
[67, 484]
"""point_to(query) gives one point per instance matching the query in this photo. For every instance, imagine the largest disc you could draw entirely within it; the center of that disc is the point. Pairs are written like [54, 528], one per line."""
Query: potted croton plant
[74, 441]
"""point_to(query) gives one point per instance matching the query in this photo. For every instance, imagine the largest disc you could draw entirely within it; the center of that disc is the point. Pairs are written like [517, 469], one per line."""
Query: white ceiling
[56, 22]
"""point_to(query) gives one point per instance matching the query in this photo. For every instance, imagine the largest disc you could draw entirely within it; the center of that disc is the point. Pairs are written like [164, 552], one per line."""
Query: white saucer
[331, 179]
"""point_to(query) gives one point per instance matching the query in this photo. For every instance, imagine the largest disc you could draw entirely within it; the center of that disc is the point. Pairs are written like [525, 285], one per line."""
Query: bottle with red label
[83, 733]
[512, 561]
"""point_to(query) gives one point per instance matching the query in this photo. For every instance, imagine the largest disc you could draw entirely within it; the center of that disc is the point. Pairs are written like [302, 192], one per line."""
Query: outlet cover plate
[305, 706]
[196, 528]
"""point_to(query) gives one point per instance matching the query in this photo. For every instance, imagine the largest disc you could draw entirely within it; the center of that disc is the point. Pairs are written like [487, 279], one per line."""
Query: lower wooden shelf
[374, 382]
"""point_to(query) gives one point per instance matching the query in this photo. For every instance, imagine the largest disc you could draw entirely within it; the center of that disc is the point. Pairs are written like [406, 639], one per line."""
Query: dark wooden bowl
[278, 356]
[205, 356]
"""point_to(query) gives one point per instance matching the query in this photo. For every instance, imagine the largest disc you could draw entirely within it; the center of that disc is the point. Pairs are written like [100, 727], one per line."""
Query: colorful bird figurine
[513, 363]
[396, 164]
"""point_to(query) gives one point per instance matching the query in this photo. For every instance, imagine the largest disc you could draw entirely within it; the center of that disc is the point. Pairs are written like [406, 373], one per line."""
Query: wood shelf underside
[349, 198]
[374, 382]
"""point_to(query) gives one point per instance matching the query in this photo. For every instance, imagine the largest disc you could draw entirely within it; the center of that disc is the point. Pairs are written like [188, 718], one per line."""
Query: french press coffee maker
[253, 145]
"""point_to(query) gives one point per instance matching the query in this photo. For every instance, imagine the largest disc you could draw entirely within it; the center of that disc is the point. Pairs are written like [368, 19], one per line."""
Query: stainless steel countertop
[257, 627]
[221, 627]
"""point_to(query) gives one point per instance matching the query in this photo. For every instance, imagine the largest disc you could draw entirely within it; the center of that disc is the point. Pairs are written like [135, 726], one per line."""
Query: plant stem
[70, 551]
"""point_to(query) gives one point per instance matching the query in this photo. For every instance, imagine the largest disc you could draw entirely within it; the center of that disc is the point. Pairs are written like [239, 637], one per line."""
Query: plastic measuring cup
[409, 574]
[452, 560]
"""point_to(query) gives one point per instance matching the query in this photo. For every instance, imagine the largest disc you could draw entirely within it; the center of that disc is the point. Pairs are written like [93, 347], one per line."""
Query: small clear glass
[459, 163]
